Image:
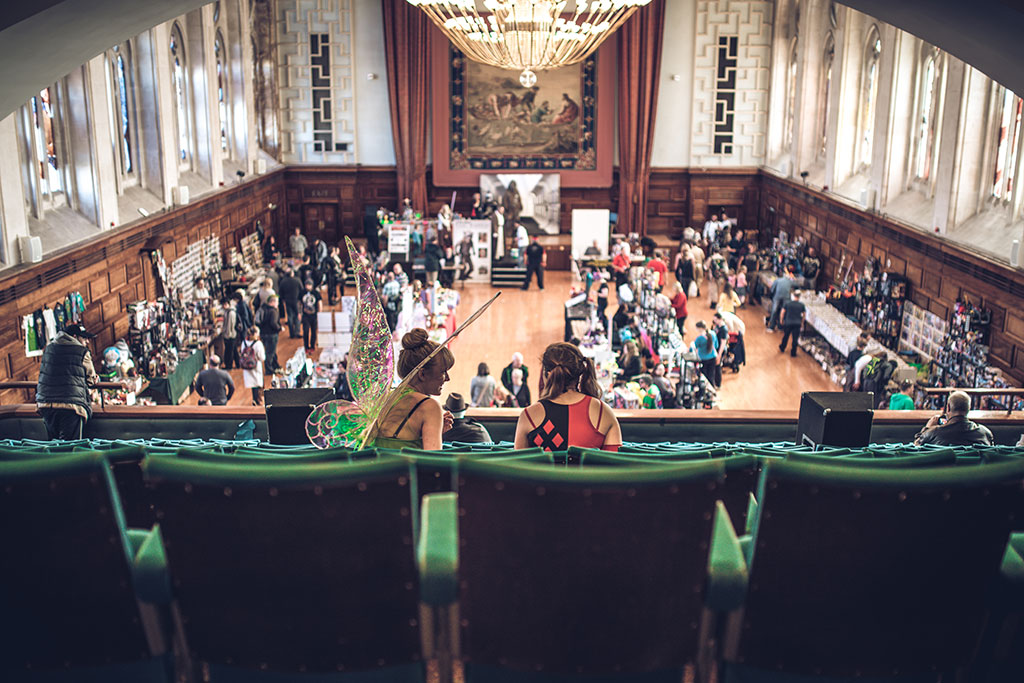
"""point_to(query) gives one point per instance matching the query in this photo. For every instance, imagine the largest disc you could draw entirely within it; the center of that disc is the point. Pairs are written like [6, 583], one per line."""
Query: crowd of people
[570, 410]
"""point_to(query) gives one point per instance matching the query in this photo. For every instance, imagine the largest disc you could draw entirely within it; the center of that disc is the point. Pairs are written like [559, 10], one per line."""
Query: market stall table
[171, 388]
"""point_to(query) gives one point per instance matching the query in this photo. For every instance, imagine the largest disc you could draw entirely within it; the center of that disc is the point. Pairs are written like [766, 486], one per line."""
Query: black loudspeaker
[287, 410]
[835, 418]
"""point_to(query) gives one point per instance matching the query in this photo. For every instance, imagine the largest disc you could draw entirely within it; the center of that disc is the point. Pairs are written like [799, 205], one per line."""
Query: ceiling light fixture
[528, 35]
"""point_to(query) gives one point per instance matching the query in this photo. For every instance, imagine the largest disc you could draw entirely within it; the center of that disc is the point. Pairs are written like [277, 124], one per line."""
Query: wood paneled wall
[678, 197]
[940, 272]
[112, 271]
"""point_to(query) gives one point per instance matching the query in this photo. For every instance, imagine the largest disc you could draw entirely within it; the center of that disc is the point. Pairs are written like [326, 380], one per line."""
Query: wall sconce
[372, 77]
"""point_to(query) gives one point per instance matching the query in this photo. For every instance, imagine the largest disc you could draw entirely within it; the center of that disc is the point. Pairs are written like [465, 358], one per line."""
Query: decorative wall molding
[315, 54]
[737, 73]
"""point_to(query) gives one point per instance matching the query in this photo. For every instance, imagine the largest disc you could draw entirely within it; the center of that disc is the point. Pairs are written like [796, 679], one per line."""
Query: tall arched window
[869, 94]
[826, 92]
[120, 78]
[928, 113]
[1007, 143]
[220, 57]
[790, 94]
[180, 85]
[47, 145]
[264, 76]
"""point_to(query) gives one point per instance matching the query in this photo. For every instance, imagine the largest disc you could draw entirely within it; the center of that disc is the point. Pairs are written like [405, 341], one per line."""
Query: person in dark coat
[952, 428]
[268, 319]
[464, 429]
[371, 231]
[66, 373]
[291, 291]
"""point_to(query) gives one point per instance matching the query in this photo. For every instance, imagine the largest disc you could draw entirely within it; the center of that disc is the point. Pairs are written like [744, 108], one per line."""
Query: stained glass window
[178, 78]
[869, 96]
[927, 119]
[126, 130]
[222, 95]
[1007, 144]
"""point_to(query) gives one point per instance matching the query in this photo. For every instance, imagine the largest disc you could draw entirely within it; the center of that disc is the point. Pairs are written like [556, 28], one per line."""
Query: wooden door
[321, 220]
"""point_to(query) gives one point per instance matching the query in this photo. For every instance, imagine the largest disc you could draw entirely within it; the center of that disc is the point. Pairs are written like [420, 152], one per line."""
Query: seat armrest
[1011, 573]
[152, 578]
[136, 537]
[438, 549]
[751, 513]
[727, 568]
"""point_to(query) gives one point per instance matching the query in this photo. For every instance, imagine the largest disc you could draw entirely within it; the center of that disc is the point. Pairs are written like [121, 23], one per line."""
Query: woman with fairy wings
[404, 417]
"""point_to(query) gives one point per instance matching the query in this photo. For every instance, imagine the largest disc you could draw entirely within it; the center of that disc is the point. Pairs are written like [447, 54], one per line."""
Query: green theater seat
[569, 572]
[69, 609]
[936, 458]
[285, 572]
[869, 572]
[243, 457]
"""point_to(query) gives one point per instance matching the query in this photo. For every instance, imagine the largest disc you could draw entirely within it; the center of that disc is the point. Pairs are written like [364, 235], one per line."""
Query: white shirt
[710, 230]
[859, 366]
[522, 237]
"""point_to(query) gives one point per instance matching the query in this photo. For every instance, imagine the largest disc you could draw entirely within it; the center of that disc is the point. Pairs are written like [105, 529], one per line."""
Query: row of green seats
[626, 566]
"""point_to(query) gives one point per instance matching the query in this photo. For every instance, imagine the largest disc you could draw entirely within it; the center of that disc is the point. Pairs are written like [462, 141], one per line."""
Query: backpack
[876, 375]
[309, 303]
[258, 318]
[247, 358]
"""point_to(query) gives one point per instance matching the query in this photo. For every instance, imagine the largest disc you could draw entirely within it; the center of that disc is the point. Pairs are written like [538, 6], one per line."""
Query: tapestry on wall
[497, 124]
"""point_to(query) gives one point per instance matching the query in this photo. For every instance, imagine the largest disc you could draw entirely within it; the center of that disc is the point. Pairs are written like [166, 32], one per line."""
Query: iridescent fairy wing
[371, 360]
[398, 392]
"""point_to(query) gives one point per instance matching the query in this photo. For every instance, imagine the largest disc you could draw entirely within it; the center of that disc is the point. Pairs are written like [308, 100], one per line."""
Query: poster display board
[590, 226]
[479, 232]
[398, 239]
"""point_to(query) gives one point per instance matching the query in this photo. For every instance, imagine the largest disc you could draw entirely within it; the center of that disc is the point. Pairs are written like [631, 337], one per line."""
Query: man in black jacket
[268, 319]
[952, 428]
[65, 375]
[291, 291]
[464, 429]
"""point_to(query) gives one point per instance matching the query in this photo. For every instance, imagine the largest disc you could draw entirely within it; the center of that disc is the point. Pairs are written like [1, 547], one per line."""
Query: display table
[170, 389]
[841, 333]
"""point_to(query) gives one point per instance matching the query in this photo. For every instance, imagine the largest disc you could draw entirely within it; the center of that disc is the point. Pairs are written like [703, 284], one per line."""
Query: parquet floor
[528, 321]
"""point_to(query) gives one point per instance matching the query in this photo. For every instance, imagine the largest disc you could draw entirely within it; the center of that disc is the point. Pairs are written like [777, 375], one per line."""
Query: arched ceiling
[987, 34]
[41, 42]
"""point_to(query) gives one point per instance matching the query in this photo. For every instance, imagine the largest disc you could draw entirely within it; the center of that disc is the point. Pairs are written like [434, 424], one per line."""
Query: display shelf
[923, 332]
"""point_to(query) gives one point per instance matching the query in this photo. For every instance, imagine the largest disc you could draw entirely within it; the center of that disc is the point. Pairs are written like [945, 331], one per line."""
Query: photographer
[952, 428]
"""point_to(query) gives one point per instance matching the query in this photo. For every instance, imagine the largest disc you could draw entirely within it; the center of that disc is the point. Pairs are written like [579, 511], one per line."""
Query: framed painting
[485, 121]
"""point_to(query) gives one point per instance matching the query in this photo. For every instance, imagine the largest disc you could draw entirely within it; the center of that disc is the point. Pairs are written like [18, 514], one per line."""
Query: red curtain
[639, 68]
[407, 35]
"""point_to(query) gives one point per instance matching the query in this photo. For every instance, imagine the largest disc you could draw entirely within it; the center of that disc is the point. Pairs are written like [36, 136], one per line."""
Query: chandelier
[528, 35]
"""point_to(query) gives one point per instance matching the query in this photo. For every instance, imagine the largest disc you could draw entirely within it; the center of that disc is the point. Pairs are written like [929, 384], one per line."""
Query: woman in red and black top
[570, 412]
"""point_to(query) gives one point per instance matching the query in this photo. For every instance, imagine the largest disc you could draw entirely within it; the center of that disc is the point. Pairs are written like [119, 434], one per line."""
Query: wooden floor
[528, 321]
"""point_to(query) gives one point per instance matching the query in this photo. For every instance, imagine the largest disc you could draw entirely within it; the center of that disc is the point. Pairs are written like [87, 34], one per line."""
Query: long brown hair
[566, 369]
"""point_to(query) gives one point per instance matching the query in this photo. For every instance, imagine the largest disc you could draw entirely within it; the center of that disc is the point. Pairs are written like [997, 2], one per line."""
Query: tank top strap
[406, 418]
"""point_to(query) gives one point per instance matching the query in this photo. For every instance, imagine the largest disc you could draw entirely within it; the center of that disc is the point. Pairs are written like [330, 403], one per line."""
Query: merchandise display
[833, 337]
[923, 332]
[879, 304]
[42, 326]
[962, 360]
[196, 274]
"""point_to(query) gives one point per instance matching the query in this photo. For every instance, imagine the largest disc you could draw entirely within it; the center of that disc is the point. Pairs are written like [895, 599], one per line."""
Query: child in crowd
[741, 285]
